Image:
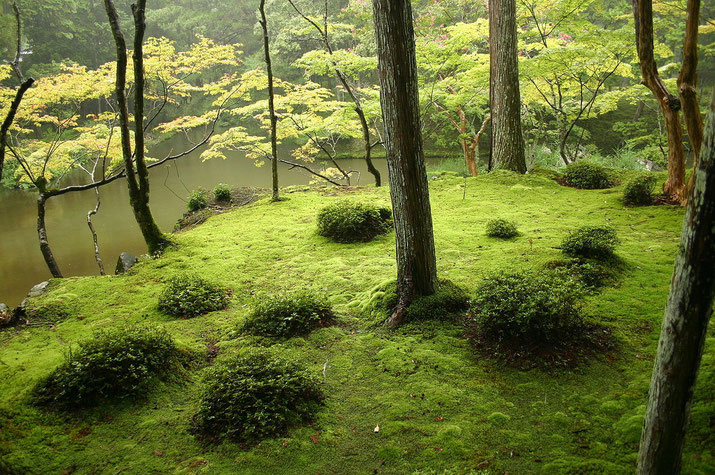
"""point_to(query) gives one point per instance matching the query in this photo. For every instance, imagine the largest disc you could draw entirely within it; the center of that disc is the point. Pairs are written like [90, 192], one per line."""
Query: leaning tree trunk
[271, 101]
[687, 83]
[507, 140]
[42, 234]
[682, 338]
[137, 177]
[416, 262]
[669, 104]
[10, 117]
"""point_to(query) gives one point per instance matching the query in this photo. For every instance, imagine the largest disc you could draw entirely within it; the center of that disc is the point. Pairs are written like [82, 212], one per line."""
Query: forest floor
[414, 400]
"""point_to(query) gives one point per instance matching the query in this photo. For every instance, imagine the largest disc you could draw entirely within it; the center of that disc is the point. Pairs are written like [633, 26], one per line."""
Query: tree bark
[669, 104]
[397, 69]
[137, 177]
[44, 242]
[271, 100]
[682, 338]
[507, 140]
[95, 240]
[687, 83]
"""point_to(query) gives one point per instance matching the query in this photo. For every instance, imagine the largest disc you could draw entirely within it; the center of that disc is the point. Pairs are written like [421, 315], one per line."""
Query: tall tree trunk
[507, 140]
[669, 104]
[687, 83]
[271, 101]
[397, 69]
[682, 338]
[138, 189]
[42, 234]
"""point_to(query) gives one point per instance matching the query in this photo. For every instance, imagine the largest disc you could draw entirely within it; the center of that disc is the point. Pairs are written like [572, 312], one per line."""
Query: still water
[21, 263]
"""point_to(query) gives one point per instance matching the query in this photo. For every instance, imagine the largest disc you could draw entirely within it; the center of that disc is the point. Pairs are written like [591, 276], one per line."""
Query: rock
[4, 308]
[125, 262]
[7, 317]
[38, 290]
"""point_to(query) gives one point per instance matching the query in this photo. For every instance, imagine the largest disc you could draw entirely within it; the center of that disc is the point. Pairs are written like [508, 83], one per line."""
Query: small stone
[38, 290]
[4, 308]
[125, 262]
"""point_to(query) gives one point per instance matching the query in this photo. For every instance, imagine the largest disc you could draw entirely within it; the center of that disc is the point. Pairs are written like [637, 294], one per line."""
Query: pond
[21, 263]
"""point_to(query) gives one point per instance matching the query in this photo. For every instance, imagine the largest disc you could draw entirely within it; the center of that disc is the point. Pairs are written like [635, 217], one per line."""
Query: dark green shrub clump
[114, 364]
[524, 308]
[256, 395]
[448, 301]
[289, 315]
[222, 192]
[501, 228]
[591, 274]
[595, 242]
[349, 221]
[189, 296]
[198, 199]
[588, 176]
[639, 191]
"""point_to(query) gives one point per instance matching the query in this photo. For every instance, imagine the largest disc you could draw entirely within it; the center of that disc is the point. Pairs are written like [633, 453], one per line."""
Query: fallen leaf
[377, 428]
[158, 454]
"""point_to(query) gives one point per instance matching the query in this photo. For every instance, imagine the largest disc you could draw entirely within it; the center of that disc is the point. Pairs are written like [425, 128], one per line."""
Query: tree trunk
[669, 104]
[7, 123]
[42, 234]
[687, 83]
[397, 69]
[95, 240]
[271, 101]
[507, 140]
[682, 338]
[138, 190]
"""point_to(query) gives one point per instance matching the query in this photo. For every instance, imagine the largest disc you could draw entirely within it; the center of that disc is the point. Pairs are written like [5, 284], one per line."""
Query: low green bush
[448, 301]
[588, 176]
[639, 191]
[222, 192]
[188, 296]
[527, 308]
[592, 274]
[255, 395]
[113, 364]
[350, 221]
[289, 315]
[198, 199]
[596, 242]
[501, 228]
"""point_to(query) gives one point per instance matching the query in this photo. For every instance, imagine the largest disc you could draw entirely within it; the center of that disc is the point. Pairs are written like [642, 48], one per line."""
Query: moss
[445, 304]
[267, 248]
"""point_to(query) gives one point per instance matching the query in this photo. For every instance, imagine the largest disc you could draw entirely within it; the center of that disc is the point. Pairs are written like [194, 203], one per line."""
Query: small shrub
[591, 274]
[114, 364]
[525, 308]
[188, 296]
[289, 315]
[588, 176]
[449, 300]
[595, 242]
[198, 199]
[222, 192]
[256, 395]
[639, 191]
[501, 228]
[349, 221]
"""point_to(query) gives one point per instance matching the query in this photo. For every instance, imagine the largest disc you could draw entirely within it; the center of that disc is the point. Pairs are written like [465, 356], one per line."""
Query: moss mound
[449, 301]
[639, 191]
[595, 242]
[114, 364]
[588, 176]
[349, 221]
[501, 228]
[289, 315]
[255, 395]
[188, 296]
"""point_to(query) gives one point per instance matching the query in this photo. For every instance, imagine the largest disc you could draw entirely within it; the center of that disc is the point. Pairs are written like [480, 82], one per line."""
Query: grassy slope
[439, 408]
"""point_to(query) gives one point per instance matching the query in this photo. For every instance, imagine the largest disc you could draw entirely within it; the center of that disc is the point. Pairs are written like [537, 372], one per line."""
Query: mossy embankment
[413, 400]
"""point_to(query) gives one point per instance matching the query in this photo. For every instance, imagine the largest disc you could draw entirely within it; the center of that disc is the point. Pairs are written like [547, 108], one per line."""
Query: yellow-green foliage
[430, 395]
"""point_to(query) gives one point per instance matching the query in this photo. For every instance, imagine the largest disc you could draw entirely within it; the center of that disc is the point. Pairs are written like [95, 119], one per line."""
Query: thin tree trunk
[507, 139]
[682, 338]
[687, 84]
[271, 101]
[669, 104]
[416, 261]
[42, 234]
[7, 123]
[91, 213]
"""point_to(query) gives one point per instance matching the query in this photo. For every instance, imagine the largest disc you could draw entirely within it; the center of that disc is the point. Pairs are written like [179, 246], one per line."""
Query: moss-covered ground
[414, 400]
